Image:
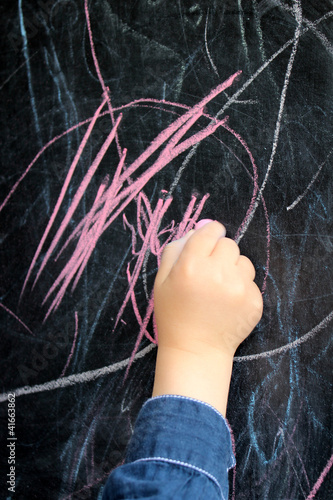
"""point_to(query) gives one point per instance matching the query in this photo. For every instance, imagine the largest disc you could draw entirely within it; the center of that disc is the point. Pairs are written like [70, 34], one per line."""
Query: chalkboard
[122, 123]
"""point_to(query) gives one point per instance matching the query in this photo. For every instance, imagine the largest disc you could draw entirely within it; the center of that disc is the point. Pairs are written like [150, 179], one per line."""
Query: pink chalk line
[73, 345]
[79, 194]
[64, 187]
[106, 89]
[16, 317]
[320, 479]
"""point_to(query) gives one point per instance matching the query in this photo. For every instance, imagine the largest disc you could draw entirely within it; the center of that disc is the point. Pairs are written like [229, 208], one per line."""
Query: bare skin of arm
[206, 304]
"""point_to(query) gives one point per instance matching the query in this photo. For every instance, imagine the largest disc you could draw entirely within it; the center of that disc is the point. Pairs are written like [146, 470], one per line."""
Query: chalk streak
[63, 190]
[16, 317]
[173, 148]
[323, 39]
[153, 226]
[31, 164]
[301, 196]
[76, 378]
[255, 75]
[79, 194]
[27, 61]
[298, 16]
[106, 89]
[73, 345]
[320, 479]
[100, 372]
[291, 345]
[137, 102]
[242, 29]
[91, 238]
[207, 50]
[78, 256]
[18, 69]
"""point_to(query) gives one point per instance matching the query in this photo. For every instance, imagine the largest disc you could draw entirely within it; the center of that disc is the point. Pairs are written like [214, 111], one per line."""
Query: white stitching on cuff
[184, 464]
[176, 396]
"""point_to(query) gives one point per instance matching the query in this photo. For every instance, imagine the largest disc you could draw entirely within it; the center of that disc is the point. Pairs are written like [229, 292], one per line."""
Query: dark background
[280, 406]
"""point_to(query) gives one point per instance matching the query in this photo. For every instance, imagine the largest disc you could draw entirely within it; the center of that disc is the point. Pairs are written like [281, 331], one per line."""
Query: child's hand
[204, 294]
[206, 304]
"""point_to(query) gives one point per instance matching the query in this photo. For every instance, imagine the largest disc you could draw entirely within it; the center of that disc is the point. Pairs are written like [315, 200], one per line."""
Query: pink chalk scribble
[123, 186]
[111, 200]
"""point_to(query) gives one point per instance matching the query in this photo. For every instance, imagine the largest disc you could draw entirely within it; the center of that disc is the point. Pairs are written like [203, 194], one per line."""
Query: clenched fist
[204, 292]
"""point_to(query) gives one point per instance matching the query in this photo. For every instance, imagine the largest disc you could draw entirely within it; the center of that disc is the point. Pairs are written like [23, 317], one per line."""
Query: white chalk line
[207, 50]
[78, 378]
[242, 30]
[297, 35]
[100, 372]
[291, 345]
[301, 196]
[255, 75]
[323, 39]
[294, 41]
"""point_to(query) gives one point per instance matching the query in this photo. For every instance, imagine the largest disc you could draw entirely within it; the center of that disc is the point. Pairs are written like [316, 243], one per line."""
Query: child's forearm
[204, 376]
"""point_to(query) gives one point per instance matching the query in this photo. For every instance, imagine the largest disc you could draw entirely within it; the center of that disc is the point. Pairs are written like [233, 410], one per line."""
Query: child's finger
[203, 241]
[257, 302]
[202, 223]
[226, 251]
[170, 255]
[247, 267]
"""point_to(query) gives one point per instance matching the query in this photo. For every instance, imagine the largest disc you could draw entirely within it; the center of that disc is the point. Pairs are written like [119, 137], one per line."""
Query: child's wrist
[201, 375]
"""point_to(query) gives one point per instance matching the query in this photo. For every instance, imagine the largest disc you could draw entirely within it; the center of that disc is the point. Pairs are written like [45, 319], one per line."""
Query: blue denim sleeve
[181, 450]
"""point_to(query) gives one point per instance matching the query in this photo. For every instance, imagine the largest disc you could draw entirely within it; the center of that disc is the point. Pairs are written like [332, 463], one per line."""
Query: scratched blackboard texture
[122, 123]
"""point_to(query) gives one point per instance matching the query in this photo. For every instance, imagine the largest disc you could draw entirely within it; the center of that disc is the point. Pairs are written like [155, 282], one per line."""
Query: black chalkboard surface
[122, 123]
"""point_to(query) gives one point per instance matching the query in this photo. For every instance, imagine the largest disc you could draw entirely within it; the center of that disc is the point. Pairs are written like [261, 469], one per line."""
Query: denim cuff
[185, 432]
